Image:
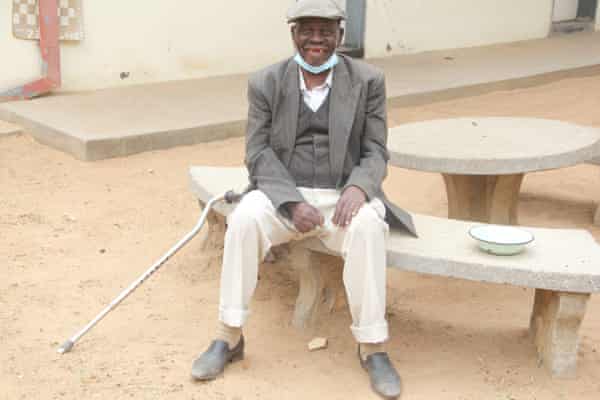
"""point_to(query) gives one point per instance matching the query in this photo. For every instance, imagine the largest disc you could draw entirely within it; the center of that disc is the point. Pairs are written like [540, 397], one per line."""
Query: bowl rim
[498, 243]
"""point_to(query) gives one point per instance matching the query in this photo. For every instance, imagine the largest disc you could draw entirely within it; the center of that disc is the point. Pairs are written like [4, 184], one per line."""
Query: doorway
[354, 37]
[570, 16]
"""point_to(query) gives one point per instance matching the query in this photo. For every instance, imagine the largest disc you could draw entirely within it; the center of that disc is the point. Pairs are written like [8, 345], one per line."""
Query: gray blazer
[357, 132]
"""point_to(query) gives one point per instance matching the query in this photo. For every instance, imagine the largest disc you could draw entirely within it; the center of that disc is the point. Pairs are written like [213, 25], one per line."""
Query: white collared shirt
[315, 97]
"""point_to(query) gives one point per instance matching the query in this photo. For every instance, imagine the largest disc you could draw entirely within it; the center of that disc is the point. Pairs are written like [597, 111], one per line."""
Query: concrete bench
[562, 265]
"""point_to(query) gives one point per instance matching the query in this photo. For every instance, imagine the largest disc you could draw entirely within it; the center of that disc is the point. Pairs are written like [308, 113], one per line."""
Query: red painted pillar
[50, 51]
[49, 43]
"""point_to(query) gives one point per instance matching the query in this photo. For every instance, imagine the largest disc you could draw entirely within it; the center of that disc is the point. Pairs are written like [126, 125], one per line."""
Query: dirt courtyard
[74, 234]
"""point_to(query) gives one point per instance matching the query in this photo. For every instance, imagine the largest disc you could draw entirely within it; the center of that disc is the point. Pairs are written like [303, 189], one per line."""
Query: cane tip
[66, 347]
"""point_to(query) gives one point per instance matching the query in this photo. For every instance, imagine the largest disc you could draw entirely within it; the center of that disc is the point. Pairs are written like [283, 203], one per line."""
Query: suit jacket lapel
[288, 110]
[343, 99]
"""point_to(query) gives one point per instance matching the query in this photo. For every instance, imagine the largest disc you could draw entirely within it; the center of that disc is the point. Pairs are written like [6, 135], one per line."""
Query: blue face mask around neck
[330, 63]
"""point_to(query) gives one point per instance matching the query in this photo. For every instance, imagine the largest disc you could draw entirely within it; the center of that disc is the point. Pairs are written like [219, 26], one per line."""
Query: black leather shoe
[385, 381]
[212, 362]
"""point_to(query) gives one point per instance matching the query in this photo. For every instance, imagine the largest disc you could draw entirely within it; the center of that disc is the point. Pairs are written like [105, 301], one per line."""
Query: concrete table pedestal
[483, 198]
[484, 160]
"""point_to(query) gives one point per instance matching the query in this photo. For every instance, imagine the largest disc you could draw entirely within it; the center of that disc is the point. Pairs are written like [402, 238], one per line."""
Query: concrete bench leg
[554, 327]
[318, 293]
[214, 241]
[597, 216]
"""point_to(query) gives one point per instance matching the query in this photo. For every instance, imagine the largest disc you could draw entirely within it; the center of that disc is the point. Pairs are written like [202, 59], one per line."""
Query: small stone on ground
[317, 343]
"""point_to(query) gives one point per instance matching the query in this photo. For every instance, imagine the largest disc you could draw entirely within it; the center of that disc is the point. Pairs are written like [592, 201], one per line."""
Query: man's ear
[341, 37]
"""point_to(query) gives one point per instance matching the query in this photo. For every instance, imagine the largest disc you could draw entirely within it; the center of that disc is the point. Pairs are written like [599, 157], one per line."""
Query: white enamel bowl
[501, 240]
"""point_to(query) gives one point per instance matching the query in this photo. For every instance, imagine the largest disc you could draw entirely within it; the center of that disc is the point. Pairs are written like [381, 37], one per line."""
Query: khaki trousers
[254, 226]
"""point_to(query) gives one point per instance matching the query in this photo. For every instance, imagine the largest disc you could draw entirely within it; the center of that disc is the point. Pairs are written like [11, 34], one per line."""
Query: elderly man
[316, 155]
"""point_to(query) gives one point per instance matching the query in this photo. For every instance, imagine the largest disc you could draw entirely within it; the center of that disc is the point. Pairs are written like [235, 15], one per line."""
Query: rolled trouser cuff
[233, 317]
[371, 334]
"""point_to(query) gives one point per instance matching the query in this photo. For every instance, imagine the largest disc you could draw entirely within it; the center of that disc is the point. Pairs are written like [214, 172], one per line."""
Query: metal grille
[25, 19]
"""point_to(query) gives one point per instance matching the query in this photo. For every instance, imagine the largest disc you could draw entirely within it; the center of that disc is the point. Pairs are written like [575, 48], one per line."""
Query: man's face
[316, 39]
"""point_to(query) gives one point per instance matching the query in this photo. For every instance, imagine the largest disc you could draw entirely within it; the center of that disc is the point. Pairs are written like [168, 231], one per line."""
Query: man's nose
[316, 38]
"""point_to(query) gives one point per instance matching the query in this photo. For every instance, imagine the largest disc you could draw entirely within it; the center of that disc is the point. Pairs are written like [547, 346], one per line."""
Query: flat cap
[329, 9]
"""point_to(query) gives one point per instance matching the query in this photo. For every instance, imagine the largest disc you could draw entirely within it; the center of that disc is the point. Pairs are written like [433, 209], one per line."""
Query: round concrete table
[483, 160]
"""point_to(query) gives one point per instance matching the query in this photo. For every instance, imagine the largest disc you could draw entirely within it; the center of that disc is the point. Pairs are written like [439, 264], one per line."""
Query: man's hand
[351, 200]
[305, 217]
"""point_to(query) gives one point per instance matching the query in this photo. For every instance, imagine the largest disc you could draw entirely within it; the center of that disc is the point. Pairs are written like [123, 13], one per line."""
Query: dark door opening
[587, 9]
[571, 16]
[353, 44]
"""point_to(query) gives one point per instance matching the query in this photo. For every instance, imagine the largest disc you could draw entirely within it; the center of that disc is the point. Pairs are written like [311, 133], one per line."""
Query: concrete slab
[7, 129]
[443, 75]
[117, 122]
[121, 121]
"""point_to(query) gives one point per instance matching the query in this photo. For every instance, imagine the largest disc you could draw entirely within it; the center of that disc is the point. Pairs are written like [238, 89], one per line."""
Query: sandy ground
[9, 129]
[74, 234]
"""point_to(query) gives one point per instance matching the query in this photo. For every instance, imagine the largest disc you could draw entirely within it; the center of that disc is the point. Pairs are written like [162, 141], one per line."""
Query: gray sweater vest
[309, 164]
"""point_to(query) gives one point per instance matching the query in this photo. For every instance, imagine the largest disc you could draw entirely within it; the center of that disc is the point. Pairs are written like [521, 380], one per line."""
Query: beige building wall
[598, 17]
[20, 58]
[411, 26]
[155, 40]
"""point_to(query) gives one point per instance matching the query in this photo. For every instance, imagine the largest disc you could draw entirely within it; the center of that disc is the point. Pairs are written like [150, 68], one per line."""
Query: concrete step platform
[121, 121]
